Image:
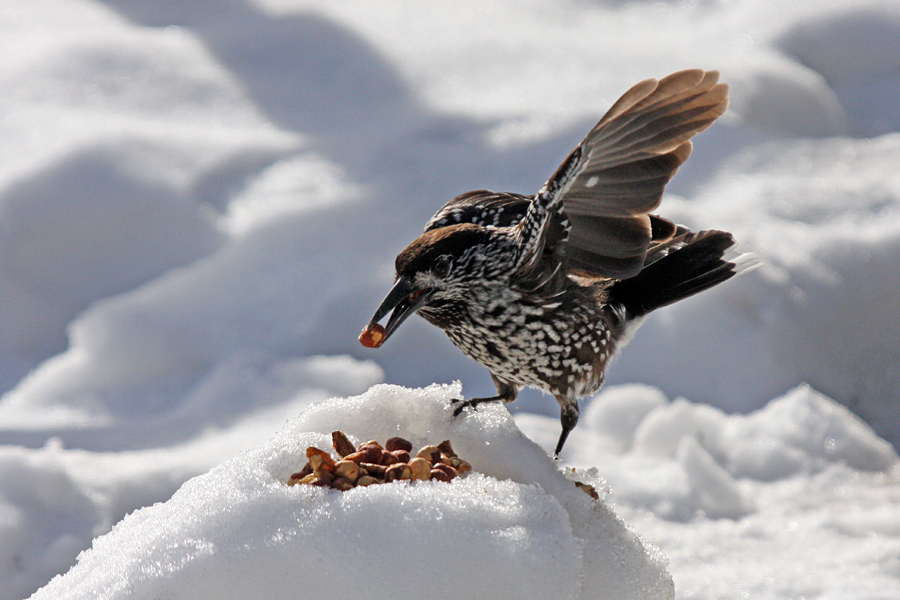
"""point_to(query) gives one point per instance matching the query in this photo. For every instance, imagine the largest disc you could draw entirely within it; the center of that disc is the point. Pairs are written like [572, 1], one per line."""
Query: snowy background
[200, 203]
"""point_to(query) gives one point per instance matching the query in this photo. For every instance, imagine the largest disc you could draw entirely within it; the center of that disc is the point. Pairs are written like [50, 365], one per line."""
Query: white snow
[796, 499]
[199, 210]
[517, 528]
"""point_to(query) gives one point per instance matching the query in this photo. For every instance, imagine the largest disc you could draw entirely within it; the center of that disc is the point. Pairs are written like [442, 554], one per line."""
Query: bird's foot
[460, 404]
[473, 403]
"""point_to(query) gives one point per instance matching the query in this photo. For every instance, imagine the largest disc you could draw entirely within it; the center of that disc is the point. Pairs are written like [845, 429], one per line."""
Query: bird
[542, 290]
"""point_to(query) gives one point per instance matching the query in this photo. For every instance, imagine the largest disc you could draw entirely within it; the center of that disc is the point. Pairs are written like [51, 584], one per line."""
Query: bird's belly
[570, 365]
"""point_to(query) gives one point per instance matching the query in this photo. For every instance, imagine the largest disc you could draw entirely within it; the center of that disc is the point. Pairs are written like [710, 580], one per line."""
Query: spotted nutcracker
[542, 289]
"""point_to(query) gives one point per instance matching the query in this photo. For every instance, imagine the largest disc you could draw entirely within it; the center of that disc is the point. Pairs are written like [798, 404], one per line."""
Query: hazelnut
[370, 454]
[354, 456]
[462, 466]
[346, 469]
[306, 470]
[372, 337]
[398, 471]
[398, 443]
[373, 469]
[402, 455]
[319, 460]
[421, 468]
[388, 459]
[587, 489]
[446, 469]
[366, 480]
[341, 483]
[438, 475]
[430, 453]
[342, 445]
[446, 448]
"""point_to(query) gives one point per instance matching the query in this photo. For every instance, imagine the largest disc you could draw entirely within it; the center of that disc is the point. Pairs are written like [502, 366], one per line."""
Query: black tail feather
[682, 268]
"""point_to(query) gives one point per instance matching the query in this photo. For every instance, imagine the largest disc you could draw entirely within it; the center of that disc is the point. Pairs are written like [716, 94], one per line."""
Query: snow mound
[516, 528]
[801, 431]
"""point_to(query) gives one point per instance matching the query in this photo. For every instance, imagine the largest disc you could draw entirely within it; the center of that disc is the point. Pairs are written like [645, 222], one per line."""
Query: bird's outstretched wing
[598, 202]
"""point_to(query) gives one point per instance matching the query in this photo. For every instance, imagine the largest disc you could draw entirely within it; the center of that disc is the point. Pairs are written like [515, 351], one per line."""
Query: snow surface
[516, 529]
[199, 210]
[797, 499]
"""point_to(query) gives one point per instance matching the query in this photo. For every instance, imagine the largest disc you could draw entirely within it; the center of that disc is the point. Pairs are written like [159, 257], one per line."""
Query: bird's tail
[688, 264]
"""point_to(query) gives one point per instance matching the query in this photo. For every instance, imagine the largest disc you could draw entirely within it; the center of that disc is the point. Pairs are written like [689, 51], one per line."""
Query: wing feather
[633, 152]
[621, 168]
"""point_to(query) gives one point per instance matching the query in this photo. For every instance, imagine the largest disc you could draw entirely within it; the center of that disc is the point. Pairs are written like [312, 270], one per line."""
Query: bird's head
[435, 275]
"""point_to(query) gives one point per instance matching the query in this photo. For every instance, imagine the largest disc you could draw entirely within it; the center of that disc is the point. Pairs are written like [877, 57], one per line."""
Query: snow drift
[516, 528]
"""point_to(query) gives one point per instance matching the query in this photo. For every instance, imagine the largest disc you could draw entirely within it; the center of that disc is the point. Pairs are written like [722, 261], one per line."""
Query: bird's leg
[506, 392]
[568, 416]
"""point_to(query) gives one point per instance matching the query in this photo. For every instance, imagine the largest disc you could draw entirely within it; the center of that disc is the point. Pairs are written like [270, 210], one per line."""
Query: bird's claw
[460, 405]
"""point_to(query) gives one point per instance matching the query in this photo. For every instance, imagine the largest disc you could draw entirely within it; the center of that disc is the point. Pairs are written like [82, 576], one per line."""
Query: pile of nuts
[373, 463]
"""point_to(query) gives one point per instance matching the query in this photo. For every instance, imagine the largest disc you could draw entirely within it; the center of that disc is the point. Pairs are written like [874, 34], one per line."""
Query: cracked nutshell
[373, 463]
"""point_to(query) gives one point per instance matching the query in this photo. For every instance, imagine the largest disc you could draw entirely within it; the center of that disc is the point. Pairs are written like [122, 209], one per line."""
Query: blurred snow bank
[681, 460]
[120, 143]
[54, 500]
[796, 499]
[518, 528]
[854, 49]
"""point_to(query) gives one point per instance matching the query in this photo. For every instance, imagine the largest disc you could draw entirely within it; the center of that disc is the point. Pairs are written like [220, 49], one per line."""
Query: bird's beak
[403, 300]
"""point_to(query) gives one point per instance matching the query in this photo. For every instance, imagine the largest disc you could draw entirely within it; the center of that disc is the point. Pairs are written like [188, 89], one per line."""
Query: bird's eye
[442, 266]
